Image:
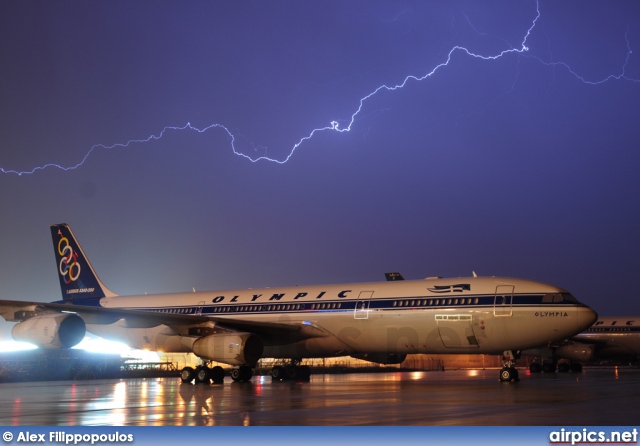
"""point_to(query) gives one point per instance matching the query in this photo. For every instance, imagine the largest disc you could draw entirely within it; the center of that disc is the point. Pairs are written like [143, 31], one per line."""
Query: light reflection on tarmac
[473, 397]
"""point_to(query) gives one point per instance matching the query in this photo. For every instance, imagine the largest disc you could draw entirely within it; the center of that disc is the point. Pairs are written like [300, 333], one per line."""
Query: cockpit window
[558, 298]
[568, 298]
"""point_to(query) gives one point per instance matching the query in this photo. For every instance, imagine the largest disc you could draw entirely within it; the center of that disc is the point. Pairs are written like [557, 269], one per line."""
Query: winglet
[78, 280]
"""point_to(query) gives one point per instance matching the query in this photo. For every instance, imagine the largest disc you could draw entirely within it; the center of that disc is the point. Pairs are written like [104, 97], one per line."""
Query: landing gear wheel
[291, 372]
[203, 375]
[246, 373]
[304, 373]
[536, 367]
[243, 373]
[508, 374]
[217, 375]
[277, 373]
[187, 374]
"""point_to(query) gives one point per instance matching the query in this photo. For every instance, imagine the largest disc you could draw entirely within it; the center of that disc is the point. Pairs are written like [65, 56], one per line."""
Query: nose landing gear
[509, 372]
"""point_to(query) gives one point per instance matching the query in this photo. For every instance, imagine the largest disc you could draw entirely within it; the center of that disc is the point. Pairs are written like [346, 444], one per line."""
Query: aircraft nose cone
[586, 317]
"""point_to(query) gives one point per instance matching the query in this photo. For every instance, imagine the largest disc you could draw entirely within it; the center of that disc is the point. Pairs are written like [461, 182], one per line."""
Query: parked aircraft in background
[380, 322]
[608, 339]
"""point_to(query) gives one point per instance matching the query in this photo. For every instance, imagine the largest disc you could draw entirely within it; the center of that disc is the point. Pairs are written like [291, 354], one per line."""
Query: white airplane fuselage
[461, 315]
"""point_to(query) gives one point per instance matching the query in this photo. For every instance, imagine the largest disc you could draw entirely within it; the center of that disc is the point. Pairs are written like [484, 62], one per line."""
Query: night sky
[522, 165]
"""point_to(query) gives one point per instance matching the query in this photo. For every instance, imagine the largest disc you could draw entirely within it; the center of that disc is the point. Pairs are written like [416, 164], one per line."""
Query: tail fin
[78, 280]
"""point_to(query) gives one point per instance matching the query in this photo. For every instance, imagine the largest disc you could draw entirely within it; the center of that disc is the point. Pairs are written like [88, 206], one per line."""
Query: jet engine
[230, 348]
[62, 330]
[576, 352]
[381, 358]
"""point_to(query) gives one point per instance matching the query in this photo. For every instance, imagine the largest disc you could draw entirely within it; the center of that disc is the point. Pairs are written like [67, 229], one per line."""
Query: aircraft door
[502, 304]
[362, 305]
[199, 308]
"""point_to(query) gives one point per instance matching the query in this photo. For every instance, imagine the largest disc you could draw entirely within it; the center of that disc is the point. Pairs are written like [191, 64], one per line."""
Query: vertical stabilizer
[78, 280]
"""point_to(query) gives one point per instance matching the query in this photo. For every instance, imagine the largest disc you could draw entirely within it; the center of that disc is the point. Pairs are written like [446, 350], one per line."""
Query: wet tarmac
[604, 397]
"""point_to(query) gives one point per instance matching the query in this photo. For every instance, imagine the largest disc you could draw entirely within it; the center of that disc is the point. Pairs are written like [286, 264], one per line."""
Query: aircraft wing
[16, 311]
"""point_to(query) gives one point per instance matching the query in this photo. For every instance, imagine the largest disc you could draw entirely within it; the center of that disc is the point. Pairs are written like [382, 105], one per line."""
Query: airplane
[380, 322]
[609, 338]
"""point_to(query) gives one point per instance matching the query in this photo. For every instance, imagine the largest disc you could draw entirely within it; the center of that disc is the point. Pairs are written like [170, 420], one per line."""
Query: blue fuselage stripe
[377, 304]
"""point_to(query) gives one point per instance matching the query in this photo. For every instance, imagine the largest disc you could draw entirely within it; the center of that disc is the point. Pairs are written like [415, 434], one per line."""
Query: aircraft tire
[535, 367]
[277, 373]
[203, 375]
[187, 374]
[217, 375]
[508, 374]
[548, 367]
[291, 372]
[304, 373]
[245, 373]
[241, 374]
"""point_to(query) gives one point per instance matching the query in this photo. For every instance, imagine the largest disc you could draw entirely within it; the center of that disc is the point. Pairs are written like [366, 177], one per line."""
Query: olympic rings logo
[69, 267]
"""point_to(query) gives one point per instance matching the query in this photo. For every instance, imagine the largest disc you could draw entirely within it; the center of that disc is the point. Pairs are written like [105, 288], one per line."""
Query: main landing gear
[550, 366]
[291, 372]
[509, 372]
[204, 374]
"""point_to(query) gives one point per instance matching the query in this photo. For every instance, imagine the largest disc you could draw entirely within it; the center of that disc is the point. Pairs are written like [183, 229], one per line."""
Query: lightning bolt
[335, 126]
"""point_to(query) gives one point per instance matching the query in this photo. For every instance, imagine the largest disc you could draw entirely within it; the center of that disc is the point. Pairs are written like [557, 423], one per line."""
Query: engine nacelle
[230, 348]
[576, 352]
[381, 358]
[51, 331]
